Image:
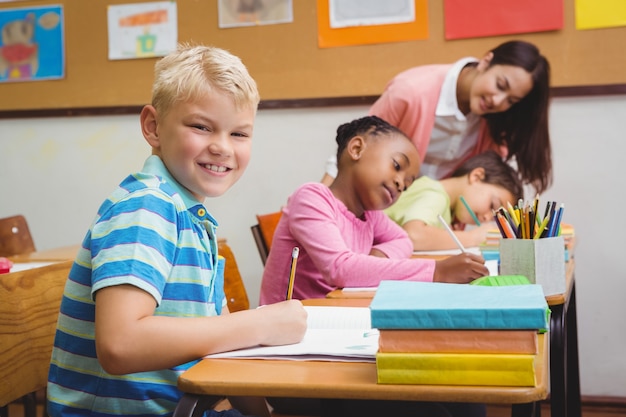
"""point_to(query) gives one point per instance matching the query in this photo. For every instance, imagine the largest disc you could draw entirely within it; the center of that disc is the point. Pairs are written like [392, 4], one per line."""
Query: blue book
[431, 305]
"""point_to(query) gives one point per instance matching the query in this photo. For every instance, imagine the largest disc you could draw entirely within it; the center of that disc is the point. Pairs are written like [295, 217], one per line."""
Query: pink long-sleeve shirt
[334, 248]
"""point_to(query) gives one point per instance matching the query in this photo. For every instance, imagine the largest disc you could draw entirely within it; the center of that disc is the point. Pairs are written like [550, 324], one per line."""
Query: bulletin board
[287, 63]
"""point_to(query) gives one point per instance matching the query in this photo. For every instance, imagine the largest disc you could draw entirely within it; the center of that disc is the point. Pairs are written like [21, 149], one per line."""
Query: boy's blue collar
[154, 165]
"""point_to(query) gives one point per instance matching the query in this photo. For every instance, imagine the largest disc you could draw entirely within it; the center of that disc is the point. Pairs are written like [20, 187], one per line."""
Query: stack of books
[458, 334]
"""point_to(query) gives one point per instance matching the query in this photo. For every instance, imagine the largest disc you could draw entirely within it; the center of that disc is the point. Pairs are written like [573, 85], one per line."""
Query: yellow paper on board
[597, 14]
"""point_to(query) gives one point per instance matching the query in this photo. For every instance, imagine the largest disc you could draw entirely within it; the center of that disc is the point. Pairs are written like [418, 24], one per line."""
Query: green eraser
[500, 280]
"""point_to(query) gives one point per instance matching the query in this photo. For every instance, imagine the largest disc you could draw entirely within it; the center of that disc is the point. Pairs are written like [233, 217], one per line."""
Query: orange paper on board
[497, 17]
[367, 35]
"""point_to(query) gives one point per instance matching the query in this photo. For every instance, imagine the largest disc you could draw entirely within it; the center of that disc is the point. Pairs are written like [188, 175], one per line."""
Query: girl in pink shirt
[345, 239]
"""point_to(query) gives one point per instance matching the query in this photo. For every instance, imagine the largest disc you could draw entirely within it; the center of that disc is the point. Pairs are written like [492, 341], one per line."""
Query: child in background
[144, 301]
[485, 181]
[345, 238]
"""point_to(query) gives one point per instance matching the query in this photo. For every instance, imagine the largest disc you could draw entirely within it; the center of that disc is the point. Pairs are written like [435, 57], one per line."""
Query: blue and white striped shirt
[150, 233]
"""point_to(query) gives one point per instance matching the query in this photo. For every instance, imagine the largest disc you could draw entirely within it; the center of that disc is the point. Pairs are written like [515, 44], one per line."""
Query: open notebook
[333, 334]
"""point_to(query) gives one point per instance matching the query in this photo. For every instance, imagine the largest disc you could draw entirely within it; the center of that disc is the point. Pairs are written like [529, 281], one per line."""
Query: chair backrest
[29, 307]
[267, 224]
[15, 237]
[263, 232]
[234, 288]
[260, 242]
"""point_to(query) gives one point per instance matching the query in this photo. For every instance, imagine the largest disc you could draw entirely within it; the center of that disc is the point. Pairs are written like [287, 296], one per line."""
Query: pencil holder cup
[542, 261]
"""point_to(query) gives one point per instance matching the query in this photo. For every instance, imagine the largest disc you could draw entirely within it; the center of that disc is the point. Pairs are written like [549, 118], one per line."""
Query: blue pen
[557, 221]
[471, 212]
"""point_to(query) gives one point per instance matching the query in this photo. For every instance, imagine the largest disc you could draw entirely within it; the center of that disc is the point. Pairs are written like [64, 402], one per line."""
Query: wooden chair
[29, 307]
[263, 232]
[260, 243]
[234, 288]
[15, 237]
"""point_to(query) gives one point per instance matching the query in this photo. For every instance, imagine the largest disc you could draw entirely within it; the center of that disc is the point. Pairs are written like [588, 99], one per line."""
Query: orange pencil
[506, 227]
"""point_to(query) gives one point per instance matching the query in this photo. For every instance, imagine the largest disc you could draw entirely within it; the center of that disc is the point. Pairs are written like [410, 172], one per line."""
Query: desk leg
[191, 405]
[526, 410]
[30, 405]
[573, 374]
[564, 373]
[558, 390]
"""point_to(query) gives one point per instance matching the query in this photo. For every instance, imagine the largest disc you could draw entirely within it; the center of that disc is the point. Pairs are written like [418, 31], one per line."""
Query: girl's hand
[460, 269]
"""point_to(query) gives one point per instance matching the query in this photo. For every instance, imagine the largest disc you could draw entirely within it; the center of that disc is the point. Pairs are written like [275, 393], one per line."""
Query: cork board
[285, 58]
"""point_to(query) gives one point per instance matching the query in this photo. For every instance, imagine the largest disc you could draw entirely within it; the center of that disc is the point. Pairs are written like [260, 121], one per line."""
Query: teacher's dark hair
[524, 127]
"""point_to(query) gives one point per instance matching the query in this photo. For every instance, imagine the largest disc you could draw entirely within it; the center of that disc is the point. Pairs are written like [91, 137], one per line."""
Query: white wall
[57, 171]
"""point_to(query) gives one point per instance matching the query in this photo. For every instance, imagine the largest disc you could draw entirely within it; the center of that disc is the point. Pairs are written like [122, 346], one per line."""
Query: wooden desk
[29, 307]
[340, 380]
[64, 253]
[564, 362]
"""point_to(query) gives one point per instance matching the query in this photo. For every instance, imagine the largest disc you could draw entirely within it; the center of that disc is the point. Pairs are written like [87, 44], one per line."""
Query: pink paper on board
[480, 18]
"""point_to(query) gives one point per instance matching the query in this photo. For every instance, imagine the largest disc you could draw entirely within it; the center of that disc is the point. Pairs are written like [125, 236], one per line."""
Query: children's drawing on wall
[234, 13]
[142, 30]
[32, 44]
[348, 13]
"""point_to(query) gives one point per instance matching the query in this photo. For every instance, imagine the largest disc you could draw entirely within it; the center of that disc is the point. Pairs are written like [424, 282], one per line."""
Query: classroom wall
[57, 171]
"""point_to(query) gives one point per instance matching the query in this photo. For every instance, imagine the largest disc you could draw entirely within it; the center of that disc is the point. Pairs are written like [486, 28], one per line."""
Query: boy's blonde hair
[194, 71]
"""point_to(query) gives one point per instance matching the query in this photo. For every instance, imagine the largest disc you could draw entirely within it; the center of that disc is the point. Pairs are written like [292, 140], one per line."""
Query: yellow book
[456, 369]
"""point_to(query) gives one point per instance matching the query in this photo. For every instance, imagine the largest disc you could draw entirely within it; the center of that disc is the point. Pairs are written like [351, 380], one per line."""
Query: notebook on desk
[333, 334]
